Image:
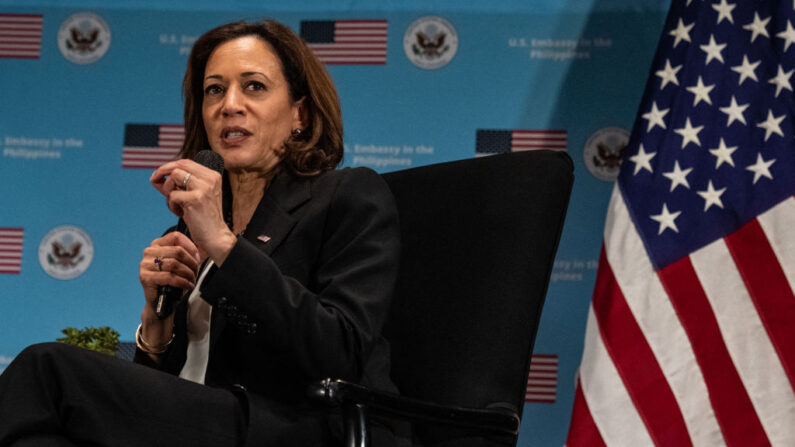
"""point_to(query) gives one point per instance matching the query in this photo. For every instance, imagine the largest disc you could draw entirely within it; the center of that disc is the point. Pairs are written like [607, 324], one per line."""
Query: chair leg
[356, 426]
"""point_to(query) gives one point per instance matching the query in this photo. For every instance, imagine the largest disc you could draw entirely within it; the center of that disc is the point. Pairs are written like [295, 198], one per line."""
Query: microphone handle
[167, 295]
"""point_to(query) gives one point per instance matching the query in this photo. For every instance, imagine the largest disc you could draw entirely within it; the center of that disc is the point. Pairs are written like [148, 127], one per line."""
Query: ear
[300, 114]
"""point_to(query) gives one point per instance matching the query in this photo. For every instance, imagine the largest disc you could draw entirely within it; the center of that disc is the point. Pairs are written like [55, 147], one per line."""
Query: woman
[289, 267]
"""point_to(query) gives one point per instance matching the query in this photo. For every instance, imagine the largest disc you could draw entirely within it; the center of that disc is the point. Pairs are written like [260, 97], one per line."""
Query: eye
[213, 89]
[255, 86]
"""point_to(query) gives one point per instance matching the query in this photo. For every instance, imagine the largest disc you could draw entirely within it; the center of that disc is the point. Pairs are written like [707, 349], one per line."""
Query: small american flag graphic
[20, 36]
[490, 142]
[346, 42]
[542, 383]
[147, 146]
[11, 250]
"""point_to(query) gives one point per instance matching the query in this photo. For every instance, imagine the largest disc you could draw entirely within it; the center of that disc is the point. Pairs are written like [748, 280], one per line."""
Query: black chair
[479, 239]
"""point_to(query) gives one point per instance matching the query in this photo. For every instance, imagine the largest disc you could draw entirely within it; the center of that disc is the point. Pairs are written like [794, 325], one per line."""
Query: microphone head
[210, 159]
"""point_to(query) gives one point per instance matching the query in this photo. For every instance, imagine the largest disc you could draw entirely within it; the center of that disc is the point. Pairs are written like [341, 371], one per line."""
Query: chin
[240, 164]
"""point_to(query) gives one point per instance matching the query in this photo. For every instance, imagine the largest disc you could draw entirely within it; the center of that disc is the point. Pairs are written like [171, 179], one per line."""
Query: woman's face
[247, 110]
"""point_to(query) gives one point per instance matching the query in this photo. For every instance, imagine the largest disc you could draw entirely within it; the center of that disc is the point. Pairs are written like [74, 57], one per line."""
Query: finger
[169, 255]
[165, 170]
[160, 174]
[156, 279]
[179, 202]
[168, 180]
[173, 170]
[173, 239]
[184, 199]
[166, 271]
[172, 265]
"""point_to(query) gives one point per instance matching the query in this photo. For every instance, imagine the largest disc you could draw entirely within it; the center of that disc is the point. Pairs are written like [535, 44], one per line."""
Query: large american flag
[347, 42]
[690, 338]
[147, 146]
[20, 36]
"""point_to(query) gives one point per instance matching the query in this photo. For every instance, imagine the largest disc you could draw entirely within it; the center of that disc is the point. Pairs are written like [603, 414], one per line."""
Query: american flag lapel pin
[264, 238]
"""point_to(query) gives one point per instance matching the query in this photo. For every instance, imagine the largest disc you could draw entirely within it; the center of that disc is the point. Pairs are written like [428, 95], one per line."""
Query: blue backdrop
[570, 71]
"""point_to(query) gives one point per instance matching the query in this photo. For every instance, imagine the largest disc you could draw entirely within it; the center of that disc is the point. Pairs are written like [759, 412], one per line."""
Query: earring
[297, 132]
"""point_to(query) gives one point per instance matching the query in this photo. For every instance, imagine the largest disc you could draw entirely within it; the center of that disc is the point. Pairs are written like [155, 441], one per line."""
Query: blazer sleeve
[330, 324]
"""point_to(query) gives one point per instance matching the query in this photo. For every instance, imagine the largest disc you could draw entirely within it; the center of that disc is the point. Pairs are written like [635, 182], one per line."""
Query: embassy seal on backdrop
[84, 38]
[430, 42]
[66, 252]
[603, 152]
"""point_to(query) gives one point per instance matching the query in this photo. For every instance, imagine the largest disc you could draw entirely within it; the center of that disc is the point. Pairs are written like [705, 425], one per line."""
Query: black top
[302, 296]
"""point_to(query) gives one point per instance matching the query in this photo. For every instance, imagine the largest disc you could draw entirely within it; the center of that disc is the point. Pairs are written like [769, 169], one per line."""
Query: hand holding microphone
[193, 191]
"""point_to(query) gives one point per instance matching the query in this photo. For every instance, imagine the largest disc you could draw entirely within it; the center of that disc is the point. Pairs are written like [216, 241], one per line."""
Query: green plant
[103, 339]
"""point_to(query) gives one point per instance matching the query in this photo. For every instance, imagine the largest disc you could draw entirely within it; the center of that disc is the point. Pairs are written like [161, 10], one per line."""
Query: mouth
[234, 135]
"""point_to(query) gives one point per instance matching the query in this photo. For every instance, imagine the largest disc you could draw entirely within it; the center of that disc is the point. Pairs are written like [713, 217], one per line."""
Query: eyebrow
[245, 74]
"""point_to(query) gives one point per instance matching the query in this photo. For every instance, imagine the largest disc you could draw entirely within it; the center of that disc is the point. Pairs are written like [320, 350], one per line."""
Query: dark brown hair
[319, 147]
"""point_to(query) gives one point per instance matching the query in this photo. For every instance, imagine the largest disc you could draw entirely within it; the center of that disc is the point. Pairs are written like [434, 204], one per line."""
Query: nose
[233, 102]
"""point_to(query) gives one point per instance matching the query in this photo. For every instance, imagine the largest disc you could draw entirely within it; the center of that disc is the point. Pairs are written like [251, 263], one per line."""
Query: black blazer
[302, 296]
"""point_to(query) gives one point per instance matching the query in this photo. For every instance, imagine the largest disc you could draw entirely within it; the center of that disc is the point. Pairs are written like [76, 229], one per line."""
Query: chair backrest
[479, 239]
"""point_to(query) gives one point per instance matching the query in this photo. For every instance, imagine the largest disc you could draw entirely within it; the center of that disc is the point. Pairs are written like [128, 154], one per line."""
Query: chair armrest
[342, 393]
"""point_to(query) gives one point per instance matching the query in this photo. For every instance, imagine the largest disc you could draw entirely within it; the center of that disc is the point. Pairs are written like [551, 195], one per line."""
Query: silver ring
[159, 264]
[185, 181]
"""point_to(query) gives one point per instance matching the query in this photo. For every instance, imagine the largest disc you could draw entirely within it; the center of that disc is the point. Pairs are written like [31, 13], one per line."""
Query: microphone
[167, 295]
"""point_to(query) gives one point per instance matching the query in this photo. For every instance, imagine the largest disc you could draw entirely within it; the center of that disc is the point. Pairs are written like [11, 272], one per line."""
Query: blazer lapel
[269, 226]
[272, 220]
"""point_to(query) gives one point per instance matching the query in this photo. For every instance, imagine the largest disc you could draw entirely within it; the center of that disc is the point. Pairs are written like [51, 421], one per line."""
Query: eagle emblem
[83, 38]
[65, 257]
[430, 42]
[604, 151]
[83, 42]
[608, 156]
[66, 252]
[430, 46]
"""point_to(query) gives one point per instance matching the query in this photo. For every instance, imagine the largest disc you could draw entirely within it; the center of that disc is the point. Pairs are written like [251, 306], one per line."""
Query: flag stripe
[157, 151]
[726, 391]
[611, 407]
[780, 231]
[657, 318]
[11, 243]
[543, 367]
[7, 249]
[583, 432]
[539, 398]
[331, 52]
[768, 287]
[32, 32]
[19, 44]
[542, 389]
[319, 47]
[20, 35]
[352, 61]
[542, 380]
[636, 363]
[747, 341]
